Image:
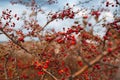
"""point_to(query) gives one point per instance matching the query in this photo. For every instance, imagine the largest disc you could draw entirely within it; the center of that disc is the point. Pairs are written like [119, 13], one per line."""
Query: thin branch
[16, 68]
[42, 78]
[50, 74]
[5, 67]
[111, 65]
[47, 24]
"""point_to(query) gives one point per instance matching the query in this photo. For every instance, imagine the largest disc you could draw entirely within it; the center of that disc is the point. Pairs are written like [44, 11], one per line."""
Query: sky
[19, 9]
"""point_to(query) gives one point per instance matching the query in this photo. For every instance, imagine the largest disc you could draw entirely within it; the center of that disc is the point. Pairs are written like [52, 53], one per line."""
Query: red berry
[112, 5]
[45, 66]
[105, 38]
[60, 40]
[104, 59]
[109, 43]
[15, 15]
[21, 39]
[54, 16]
[73, 42]
[109, 50]
[107, 4]
[85, 17]
[89, 24]
[80, 63]
[40, 73]
[61, 71]
[18, 18]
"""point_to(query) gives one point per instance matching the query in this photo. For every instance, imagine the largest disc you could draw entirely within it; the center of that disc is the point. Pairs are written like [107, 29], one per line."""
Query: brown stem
[50, 74]
[5, 68]
[16, 68]
[111, 65]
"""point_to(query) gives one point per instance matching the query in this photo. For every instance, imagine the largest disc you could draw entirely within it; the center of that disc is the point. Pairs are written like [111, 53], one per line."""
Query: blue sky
[19, 9]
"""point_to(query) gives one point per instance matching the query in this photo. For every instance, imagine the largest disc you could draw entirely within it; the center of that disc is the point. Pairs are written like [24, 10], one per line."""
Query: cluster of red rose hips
[66, 37]
[68, 13]
[41, 66]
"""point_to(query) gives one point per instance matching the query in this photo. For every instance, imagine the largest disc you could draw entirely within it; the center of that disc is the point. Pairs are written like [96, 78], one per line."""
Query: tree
[75, 53]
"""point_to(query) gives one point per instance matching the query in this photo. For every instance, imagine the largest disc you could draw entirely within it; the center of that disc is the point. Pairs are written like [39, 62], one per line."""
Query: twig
[50, 74]
[5, 67]
[114, 66]
[16, 68]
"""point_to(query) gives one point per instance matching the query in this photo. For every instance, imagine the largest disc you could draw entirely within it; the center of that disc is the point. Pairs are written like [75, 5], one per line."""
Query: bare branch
[114, 66]
[5, 67]
[50, 74]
